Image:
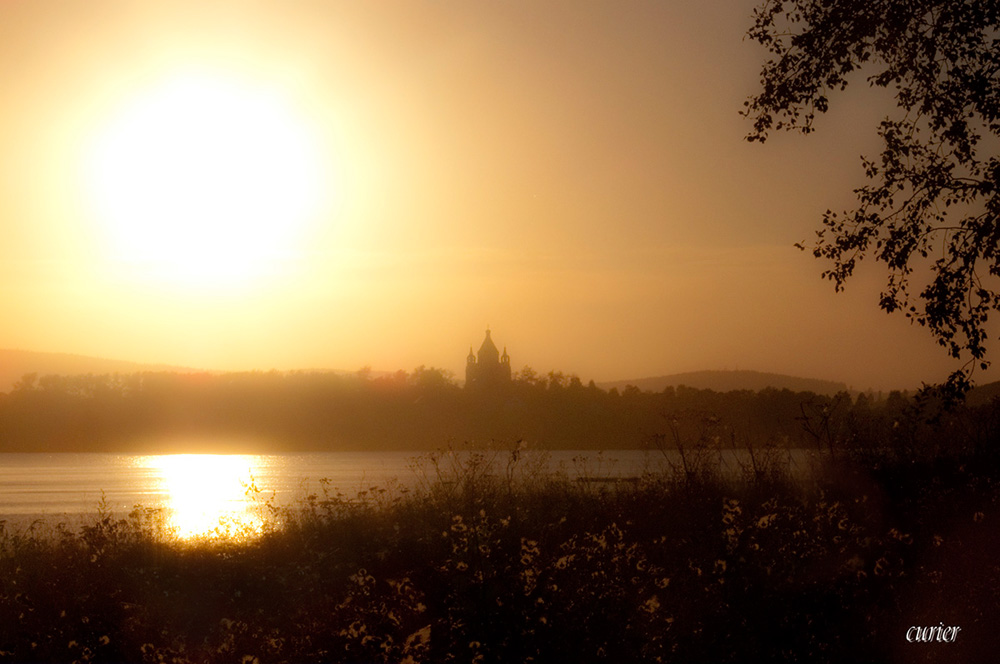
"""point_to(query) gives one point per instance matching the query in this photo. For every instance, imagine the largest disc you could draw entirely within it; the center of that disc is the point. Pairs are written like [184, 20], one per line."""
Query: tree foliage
[931, 208]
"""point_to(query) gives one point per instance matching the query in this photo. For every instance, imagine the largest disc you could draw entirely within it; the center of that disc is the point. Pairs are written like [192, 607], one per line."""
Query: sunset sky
[293, 185]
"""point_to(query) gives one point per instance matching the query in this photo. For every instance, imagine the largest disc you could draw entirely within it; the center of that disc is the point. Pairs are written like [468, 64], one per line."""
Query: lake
[196, 491]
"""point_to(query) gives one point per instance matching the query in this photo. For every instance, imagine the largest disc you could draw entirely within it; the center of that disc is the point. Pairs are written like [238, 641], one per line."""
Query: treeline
[426, 409]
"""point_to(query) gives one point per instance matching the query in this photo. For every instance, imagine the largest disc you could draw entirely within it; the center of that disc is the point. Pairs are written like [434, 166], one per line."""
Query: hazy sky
[337, 184]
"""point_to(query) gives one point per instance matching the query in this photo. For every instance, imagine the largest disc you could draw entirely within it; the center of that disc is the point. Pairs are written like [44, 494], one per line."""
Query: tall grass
[492, 560]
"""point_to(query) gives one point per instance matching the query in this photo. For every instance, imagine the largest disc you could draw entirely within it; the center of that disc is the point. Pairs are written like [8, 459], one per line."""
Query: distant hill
[14, 364]
[983, 394]
[727, 381]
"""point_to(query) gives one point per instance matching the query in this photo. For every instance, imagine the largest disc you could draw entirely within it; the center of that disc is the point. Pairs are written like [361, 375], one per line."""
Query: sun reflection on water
[209, 495]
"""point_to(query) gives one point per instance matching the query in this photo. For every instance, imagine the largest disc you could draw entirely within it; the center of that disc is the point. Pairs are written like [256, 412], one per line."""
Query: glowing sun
[205, 179]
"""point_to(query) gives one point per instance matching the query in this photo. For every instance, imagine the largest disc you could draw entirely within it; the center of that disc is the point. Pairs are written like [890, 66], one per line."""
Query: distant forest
[263, 412]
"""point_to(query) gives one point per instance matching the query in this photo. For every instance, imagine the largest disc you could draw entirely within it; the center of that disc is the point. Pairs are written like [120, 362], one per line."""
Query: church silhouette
[488, 370]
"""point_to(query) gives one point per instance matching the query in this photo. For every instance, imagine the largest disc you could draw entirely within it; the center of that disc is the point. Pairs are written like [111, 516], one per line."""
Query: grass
[492, 561]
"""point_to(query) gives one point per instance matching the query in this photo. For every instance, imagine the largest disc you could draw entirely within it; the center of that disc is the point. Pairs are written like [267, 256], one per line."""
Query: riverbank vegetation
[477, 566]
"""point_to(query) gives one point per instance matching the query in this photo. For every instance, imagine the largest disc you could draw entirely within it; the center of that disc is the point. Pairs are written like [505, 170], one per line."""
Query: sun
[205, 178]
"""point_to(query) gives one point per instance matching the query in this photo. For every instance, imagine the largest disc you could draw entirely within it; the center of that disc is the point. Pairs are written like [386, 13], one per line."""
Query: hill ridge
[721, 380]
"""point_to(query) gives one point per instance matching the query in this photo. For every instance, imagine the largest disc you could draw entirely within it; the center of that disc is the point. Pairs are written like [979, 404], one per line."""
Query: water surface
[196, 491]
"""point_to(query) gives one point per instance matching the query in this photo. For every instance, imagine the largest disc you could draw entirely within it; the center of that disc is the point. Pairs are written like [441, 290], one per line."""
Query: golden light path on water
[208, 495]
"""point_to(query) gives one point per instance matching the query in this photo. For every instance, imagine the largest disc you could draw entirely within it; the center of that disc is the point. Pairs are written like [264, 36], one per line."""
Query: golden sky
[333, 184]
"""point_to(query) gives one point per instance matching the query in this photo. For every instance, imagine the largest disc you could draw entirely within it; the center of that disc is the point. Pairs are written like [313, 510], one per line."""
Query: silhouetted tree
[557, 380]
[27, 383]
[932, 206]
[527, 375]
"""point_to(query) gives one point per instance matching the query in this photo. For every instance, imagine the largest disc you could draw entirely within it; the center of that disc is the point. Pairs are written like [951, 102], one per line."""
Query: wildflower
[651, 604]
[529, 549]
[419, 639]
[730, 510]
[766, 521]
[906, 538]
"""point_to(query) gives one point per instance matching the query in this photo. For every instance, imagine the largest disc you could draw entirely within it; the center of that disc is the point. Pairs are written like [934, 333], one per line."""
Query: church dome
[488, 352]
